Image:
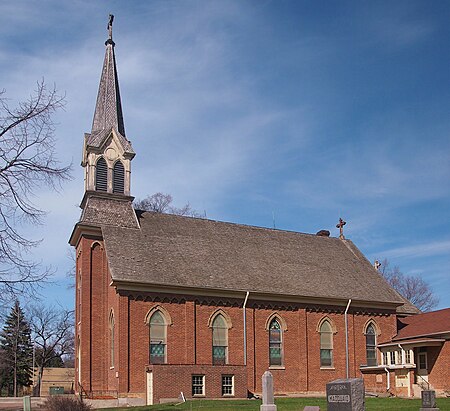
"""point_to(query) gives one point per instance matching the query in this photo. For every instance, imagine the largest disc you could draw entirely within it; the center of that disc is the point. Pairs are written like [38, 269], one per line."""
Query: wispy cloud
[435, 248]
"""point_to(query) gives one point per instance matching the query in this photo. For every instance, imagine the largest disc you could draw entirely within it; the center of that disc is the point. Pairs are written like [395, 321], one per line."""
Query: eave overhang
[137, 286]
[416, 342]
[80, 230]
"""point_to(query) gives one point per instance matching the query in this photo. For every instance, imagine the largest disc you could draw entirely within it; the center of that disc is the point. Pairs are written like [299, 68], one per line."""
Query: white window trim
[232, 385]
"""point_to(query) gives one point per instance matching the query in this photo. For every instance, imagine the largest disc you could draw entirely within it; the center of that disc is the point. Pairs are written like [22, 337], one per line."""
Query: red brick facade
[189, 339]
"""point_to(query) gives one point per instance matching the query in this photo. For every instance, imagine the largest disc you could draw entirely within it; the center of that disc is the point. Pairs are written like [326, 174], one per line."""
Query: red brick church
[168, 304]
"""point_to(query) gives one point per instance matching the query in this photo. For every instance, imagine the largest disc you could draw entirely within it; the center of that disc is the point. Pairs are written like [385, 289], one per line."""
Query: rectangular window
[227, 384]
[385, 358]
[198, 385]
[422, 361]
[408, 356]
[392, 355]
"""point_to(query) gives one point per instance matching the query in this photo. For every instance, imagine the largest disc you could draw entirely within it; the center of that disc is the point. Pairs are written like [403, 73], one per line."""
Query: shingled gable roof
[170, 250]
[433, 323]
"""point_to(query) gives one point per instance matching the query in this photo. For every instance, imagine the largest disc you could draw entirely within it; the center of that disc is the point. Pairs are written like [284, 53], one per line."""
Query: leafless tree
[52, 330]
[412, 287]
[162, 203]
[27, 163]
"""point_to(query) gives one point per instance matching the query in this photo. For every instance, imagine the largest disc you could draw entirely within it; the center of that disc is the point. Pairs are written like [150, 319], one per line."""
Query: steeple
[108, 110]
[107, 153]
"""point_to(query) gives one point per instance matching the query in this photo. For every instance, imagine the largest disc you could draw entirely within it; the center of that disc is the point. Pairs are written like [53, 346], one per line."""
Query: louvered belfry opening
[118, 178]
[101, 175]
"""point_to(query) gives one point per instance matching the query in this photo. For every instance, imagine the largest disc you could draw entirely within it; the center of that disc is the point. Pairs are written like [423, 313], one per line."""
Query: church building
[168, 304]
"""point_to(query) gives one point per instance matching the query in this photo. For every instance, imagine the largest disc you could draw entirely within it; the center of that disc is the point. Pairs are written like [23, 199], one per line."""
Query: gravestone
[346, 395]
[429, 401]
[311, 408]
[267, 388]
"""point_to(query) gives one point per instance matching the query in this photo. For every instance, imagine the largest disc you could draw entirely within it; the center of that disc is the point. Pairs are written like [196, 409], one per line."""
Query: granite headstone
[267, 388]
[429, 401]
[346, 395]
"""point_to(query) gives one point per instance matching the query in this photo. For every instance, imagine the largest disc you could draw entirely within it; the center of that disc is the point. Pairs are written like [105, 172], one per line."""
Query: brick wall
[170, 380]
[439, 366]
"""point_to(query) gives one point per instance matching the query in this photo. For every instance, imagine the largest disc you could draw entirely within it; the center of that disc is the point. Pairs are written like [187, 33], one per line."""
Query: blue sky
[305, 111]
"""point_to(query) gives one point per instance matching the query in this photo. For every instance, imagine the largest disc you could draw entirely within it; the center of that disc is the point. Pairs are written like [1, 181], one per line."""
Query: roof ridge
[280, 230]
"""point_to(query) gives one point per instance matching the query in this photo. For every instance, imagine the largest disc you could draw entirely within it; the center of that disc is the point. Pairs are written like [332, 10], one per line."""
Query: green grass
[288, 404]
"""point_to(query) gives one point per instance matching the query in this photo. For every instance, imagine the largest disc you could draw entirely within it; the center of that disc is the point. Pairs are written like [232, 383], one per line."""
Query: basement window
[198, 385]
[227, 385]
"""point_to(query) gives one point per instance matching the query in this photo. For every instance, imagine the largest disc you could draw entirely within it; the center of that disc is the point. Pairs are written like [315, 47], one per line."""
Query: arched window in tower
[220, 340]
[101, 175]
[326, 344]
[371, 352]
[158, 338]
[118, 178]
[275, 343]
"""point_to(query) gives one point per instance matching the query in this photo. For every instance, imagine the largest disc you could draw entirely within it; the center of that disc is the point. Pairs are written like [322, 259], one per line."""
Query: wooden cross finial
[340, 225]
[110, 22]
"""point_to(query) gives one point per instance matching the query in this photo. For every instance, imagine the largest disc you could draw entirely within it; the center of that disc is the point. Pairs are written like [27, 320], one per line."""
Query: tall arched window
[220, 340]
[111, 331]
[326, 344]
[118, 178]
[101, 175]
[371, 352]
[275, 343]
[158, 338]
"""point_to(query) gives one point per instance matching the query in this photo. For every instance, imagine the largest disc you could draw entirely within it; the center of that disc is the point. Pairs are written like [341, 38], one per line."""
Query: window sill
[199, 395]
[327, 368]
[277, 367]
[228, 395]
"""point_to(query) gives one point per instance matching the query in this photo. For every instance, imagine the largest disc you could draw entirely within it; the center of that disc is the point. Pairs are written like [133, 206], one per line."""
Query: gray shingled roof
[107, 210]
[172, 250]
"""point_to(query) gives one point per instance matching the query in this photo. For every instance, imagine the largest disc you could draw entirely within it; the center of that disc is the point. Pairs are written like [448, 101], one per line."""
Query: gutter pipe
[388, 378]
[245, 326]
[346, 339]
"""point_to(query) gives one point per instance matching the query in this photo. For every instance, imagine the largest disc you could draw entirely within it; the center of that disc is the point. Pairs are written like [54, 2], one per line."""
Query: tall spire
[108, 109]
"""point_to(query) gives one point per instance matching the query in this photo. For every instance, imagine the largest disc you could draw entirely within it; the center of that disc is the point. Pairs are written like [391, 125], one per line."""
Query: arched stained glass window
[275, 343]
[371, 352]
[326, 344]
[118, 178]
[220, 340]
[101, 175]
[158, 338]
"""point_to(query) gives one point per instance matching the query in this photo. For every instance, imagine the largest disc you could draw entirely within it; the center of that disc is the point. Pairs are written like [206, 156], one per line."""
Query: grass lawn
[289, 404]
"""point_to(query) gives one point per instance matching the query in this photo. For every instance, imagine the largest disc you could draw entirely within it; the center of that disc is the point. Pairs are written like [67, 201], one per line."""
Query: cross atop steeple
[340, 225]
[110, 22]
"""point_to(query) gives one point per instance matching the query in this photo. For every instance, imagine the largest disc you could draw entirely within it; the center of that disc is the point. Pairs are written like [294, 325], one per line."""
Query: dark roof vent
[323, 233]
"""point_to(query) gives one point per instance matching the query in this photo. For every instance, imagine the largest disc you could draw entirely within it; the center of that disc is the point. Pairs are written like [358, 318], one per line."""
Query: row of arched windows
[158, 320]
[101, 176]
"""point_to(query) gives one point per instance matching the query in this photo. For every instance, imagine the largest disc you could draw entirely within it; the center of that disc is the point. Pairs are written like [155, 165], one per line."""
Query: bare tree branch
[412, 287]
[162, 203]
[27, 163]
[52, 330]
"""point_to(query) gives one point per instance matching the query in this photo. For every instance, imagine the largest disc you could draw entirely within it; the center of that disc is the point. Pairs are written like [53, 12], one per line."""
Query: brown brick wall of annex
[439, 366]
[169, 380]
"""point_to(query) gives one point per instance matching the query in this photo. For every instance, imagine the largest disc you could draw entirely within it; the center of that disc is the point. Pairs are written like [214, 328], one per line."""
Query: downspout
[245, 326]
[346, 338]
[388, 379]
[409, 373]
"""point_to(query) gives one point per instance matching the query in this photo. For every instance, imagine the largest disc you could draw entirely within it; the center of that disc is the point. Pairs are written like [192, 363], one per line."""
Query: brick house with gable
[168, 304]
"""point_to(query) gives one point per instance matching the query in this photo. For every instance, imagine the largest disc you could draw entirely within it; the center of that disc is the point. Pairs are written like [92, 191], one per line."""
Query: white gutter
[346, 338]
[245, 327]
[388, 379]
